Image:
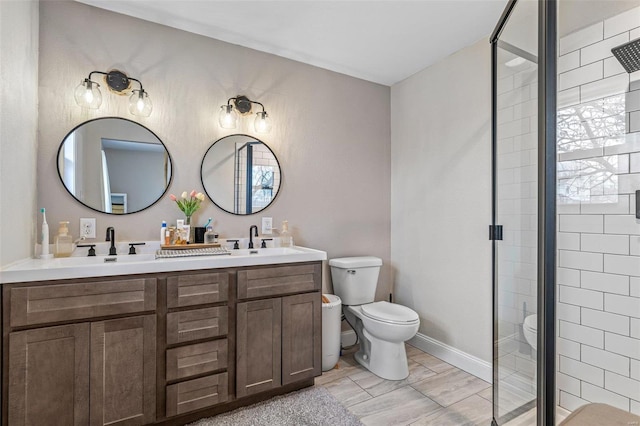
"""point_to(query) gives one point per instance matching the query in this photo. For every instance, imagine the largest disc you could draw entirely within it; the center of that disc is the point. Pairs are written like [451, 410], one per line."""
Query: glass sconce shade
[88, 94]
[262, 123]
[140, 103]
[228, 118]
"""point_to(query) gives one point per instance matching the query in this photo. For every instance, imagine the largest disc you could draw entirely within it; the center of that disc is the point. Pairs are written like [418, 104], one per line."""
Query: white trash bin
[331, 314]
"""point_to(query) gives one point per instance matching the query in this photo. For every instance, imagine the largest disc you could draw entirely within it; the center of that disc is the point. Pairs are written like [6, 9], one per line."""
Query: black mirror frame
[119, 118]
[204, 188]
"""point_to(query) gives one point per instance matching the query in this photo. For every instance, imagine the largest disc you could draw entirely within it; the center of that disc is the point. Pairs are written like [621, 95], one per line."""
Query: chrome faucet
[252, 235]
[111, 236]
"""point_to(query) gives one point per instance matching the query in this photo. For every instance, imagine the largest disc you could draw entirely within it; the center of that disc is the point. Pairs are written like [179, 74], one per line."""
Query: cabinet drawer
[196, 359]
[64, 302]
[196, 324]
[278, 280]
[197, 289]
[196, 394]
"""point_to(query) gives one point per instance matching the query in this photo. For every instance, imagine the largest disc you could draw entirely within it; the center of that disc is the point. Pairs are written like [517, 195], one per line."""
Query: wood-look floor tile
[487, 394]
[377, 386]
[450, 387]
[511, 398]
[400, 407]
[431, 362]
[526, 419]
[344, 369]
[347, 392]
[471, 411]
[412, 350]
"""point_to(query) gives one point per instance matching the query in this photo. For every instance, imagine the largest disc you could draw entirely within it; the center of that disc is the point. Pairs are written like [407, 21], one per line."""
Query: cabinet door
[123, 371]
[301, 337]
[49, 376]
[258, 346]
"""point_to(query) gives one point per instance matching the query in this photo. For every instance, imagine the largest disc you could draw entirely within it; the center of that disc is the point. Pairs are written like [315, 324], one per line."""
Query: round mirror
[240, 174]
[114, 165]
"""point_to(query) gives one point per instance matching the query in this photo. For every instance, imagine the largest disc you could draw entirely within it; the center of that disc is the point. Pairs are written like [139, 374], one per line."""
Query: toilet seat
[390, 313]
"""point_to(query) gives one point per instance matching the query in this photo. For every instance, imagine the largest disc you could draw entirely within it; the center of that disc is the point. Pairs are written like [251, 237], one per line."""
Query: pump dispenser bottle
[285, 236]
[64, 241]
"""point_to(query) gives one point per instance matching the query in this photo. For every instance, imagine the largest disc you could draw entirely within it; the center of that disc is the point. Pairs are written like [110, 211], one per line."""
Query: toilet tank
[355, 278]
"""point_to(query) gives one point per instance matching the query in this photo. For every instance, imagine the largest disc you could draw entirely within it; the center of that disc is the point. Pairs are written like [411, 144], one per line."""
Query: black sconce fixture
[88, 94]
[228, 117]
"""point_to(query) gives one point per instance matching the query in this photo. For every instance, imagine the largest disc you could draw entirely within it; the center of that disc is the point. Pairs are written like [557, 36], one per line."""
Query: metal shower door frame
[546, 265]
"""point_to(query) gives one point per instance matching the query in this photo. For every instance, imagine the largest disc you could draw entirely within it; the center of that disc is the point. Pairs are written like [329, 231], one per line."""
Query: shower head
[629, 55]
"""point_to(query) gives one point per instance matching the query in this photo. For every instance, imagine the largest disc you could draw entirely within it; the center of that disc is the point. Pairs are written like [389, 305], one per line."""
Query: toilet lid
[389, 312]
[531, 322]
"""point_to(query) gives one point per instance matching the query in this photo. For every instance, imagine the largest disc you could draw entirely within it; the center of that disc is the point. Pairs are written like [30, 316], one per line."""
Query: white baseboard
[453, 356]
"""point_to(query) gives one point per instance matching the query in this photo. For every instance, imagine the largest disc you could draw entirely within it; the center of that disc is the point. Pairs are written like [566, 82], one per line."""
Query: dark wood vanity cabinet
[123, 371]
[259, 346]
[278, 338]
[165, 348]
[301, 337]
[49, 376]
[197, 338]
[84, 373]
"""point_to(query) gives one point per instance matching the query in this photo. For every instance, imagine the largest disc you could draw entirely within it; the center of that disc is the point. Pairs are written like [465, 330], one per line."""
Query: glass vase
[187, 227]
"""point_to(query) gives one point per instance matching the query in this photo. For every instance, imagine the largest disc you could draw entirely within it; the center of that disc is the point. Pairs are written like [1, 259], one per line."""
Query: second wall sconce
[88, 94]
[228, 118]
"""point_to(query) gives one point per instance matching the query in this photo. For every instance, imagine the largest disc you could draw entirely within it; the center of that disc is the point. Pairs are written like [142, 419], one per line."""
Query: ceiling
[379, 41]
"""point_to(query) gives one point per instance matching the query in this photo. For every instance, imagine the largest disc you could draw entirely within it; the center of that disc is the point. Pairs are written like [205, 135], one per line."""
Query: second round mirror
[240, 174]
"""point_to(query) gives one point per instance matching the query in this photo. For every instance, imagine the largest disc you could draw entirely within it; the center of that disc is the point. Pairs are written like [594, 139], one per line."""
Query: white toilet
[382, 327]
[530, 331]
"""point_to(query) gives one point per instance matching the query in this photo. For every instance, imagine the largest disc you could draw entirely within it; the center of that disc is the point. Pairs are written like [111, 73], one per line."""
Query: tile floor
[435, 393]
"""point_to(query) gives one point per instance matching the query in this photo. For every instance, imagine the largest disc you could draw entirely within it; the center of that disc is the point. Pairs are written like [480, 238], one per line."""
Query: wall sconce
[228, 118]
[88, 94]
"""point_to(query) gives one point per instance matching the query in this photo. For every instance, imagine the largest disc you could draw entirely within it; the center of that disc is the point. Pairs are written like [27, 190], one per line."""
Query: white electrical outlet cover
[88, 227]
[267, 225]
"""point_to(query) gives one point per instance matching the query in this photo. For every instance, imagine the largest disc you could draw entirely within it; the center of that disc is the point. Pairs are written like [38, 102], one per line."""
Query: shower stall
[566, 226]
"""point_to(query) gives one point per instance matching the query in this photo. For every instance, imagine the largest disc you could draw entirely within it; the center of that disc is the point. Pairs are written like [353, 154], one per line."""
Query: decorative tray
[188, 246]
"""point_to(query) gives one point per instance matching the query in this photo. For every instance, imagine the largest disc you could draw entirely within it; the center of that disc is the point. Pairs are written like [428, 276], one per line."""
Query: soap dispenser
[285, 236]
[64, 241]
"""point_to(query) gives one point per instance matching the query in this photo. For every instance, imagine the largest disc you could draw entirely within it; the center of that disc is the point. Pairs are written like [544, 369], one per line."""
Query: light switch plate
[88, 227]
[267, 225]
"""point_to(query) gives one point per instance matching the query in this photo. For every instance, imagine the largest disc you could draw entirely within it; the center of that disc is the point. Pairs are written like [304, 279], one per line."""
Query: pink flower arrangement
[188, 203]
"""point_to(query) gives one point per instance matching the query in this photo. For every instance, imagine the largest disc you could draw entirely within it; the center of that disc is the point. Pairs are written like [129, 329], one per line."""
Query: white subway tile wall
[598, 273]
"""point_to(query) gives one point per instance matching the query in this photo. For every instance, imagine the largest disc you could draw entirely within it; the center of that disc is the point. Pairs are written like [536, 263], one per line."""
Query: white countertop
[84, 267]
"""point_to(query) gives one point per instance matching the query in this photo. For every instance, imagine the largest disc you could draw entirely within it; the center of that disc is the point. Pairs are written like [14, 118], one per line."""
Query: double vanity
[157, 341]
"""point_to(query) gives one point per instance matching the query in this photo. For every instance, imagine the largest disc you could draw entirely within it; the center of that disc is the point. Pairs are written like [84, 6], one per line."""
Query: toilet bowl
[382, 335]
[530, 330]
[381, 327]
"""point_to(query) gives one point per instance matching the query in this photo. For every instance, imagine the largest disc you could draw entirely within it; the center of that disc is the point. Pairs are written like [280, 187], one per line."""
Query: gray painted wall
[18, 128]
[330, 132]
[441, 198]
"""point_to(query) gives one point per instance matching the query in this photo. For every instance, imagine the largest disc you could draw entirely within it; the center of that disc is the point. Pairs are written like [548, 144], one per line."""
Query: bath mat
[313, 406]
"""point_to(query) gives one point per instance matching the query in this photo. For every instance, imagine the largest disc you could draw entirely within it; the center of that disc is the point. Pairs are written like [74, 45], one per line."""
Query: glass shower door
[515, 194]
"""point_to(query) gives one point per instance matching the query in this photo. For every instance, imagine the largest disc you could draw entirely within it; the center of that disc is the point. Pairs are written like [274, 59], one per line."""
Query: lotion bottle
[163, 232]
